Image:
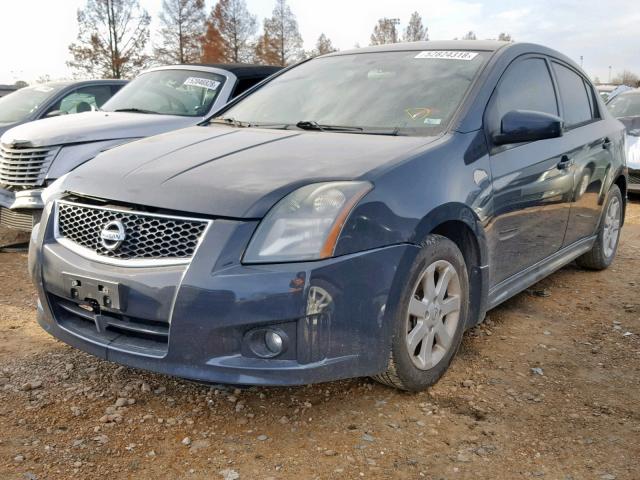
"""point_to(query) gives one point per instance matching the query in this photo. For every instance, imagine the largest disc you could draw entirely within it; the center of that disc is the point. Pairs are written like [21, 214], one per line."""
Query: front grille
[25, 167]
[634, 177]
[15, 219]
[147, 236]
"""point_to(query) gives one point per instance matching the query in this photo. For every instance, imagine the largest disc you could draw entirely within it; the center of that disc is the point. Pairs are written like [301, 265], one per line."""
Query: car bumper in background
[20, 210]
[634, 180]
[334, 315]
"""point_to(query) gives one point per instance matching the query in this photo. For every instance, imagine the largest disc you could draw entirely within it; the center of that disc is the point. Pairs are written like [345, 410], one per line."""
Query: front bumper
[20, 210]
[211, 304]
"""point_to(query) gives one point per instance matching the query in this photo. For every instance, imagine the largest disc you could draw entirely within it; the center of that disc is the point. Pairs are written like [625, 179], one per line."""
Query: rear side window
[245, 84]
[526, 85]
[574, 95]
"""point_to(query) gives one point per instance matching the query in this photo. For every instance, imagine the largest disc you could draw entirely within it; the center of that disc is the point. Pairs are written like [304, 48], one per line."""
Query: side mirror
[519, 126]
[55, 113]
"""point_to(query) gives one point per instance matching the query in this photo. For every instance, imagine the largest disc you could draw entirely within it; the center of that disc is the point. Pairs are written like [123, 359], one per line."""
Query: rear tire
[606, 245]
[430, 319]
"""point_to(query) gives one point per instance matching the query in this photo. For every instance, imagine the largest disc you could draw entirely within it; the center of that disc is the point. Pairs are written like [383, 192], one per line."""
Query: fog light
[266, 342]
[273, 341]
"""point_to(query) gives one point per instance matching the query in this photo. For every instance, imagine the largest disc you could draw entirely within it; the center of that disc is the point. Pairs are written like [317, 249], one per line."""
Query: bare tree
[182, 25]
[470, 35]
[626, 77]
[112, 38]
[323, 46]
[505, 37]
[415, 31]
[281, 38]
[230, 28]
[385, 31]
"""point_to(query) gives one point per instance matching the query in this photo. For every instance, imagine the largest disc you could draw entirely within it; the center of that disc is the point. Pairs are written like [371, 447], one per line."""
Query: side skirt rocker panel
[524, 279]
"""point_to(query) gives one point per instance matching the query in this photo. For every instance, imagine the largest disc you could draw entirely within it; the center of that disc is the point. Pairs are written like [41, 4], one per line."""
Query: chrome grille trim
[16, 219]
[25, 167]
[92, 254]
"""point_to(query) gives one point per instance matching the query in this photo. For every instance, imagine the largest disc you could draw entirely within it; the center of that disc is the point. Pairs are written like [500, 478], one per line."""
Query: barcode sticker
[202, 82]
[447, 54]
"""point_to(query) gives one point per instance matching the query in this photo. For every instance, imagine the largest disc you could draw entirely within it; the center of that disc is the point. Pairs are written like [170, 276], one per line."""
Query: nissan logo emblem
[112, 235]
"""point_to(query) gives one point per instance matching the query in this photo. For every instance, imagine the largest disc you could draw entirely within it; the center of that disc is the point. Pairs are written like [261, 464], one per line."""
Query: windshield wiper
[313, 125]
[135, 110]
[229, 121]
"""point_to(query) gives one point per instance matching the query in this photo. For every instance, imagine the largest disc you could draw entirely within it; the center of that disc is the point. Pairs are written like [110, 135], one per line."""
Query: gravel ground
[548, 387]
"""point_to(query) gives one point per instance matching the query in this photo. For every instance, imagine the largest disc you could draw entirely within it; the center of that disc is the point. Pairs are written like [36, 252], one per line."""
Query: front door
[532, 182]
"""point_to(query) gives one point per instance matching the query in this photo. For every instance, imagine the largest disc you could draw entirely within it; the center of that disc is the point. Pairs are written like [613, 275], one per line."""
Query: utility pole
[395, 22]
[581, 60]
[609, 74]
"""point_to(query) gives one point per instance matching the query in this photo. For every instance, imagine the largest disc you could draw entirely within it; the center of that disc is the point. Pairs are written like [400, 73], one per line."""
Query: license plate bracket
[85, 289]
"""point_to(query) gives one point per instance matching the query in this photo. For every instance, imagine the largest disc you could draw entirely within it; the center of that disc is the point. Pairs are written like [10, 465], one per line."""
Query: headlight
[54, 190]
[305, 224]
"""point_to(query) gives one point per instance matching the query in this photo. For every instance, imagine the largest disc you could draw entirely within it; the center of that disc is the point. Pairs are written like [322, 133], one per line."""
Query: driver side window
[83, 99]
[526, 85]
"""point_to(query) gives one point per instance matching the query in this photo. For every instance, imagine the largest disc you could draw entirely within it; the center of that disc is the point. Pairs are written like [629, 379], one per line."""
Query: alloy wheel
[611, 227]
[433, 314]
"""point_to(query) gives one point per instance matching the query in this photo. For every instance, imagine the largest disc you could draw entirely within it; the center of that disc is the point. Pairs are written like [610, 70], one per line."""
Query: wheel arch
[621, 182]
[461, 225]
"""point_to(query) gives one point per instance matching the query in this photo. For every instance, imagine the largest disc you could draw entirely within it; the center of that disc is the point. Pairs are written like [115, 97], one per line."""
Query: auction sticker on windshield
[202, 82]
[447, 54]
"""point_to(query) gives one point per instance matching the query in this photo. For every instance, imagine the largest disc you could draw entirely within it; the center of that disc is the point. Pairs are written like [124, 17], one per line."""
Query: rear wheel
[606, 245]
[429, 322]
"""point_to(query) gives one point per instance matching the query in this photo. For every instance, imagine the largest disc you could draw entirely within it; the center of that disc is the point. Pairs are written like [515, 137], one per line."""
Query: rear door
[532, 187]
[590, 155]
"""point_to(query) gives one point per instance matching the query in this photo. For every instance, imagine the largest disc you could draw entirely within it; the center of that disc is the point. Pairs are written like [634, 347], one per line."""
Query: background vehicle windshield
[17, 106]
[415, 92]
[625, 105]
[170, 92]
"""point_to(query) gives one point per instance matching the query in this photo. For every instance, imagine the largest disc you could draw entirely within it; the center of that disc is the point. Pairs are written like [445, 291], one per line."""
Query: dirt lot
[64, 414]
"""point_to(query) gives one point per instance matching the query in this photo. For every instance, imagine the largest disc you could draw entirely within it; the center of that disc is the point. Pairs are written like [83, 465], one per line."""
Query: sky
[35, 34]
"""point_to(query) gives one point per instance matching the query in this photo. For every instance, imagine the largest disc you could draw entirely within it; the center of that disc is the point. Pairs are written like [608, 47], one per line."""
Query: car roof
[629, 93]
[481, 45]
[67, 83]
[495, 47]
[240, 70]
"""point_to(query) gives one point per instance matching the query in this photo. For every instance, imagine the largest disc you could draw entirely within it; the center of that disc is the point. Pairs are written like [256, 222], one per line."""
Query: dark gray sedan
[353, 215]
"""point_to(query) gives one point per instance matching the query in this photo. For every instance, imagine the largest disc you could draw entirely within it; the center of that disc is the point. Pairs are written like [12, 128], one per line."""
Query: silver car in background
[626, 108]
[159, 100]
[53, 99]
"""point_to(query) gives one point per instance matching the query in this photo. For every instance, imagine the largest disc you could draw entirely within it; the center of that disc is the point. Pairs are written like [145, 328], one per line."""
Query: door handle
[564, 163]
[606, 144]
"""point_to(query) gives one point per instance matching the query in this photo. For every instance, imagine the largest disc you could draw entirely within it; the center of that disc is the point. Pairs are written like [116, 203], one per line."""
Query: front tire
[430, 318]
[606, 245]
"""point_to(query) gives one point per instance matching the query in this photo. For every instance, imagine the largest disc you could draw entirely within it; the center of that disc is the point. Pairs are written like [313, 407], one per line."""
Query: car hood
[93, 127]
[232, 172]
[631, 124]
[6, 126]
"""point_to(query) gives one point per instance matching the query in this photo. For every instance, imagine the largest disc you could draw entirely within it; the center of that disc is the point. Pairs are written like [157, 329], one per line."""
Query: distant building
[5, 89]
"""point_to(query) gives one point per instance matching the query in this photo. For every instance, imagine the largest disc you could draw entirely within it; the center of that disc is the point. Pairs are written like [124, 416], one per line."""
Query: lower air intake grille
[145, 236]
[16, 220]
[634, 177]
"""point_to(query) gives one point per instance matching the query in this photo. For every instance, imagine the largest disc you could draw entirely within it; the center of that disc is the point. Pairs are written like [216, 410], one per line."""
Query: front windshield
[404, 92]
[625, 105]
[169, 92]
[19, 105]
